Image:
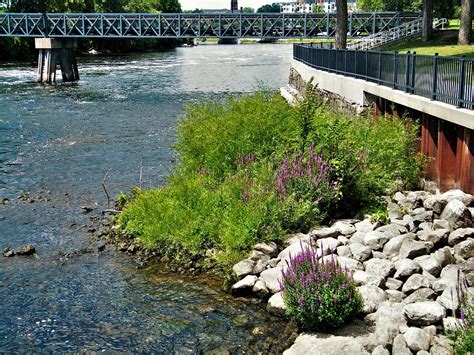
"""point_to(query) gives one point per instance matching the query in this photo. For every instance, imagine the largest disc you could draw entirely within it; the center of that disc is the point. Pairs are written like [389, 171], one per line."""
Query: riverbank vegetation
[253, 169]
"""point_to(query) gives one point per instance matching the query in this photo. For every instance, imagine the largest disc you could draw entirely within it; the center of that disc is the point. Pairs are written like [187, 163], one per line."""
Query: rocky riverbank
[406, 271]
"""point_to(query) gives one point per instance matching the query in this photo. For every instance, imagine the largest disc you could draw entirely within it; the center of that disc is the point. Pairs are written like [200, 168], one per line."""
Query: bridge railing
[446, 79]
[225, 25]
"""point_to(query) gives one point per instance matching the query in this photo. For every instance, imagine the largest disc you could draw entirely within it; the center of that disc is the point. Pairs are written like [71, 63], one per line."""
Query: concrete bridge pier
[53, 52]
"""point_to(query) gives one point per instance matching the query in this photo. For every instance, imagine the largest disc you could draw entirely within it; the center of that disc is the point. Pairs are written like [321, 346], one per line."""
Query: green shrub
[253, 169]
[215, 135]
[318, 294]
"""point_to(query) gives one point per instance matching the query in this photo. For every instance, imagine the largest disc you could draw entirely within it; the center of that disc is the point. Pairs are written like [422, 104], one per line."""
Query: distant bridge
[204, 25]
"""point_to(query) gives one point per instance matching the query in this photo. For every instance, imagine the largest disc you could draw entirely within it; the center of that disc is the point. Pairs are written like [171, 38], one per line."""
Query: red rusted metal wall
[450, 147]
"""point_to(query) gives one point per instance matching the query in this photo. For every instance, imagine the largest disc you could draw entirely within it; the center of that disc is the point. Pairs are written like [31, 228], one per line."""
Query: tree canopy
[269, 8]
[92, 5]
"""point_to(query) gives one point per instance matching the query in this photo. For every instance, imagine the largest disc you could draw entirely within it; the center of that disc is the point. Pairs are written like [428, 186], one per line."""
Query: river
[56, 145]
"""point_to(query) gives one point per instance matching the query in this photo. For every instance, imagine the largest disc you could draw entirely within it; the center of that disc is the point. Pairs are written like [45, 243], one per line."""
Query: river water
[56, 145]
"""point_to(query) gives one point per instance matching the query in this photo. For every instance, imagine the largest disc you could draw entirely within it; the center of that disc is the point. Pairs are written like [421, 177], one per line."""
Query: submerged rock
[320, 345]
[26, 250]
[8, 253]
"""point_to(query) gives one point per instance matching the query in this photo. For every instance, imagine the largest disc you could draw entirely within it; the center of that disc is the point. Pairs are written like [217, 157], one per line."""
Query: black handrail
[445, 79]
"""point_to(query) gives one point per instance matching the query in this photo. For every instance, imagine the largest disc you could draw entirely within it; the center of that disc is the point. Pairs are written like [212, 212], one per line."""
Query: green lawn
[444, 43]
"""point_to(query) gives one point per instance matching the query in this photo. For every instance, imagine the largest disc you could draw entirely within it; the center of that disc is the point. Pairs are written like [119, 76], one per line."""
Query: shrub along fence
[445, 79]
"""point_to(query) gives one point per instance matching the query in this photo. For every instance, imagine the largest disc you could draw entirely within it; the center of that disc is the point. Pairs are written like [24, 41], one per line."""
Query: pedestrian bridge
[199, 25]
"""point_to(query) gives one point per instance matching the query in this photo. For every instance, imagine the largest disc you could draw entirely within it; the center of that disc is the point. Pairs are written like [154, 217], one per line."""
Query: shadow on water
[56, 144]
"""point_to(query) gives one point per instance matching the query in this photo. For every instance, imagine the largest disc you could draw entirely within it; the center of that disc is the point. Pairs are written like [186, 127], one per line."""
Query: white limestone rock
[417, 339]
[276, 305]
[424, 313]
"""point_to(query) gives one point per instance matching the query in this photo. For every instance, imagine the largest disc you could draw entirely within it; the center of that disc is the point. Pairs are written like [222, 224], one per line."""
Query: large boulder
[400, 346]
[328, 245]
[364, 226]
[405, 268]
[457, 214]
[411, 249]
[392, 247]
[448, 278]
[465, 249]
[429, 264]
[424, 313]
[380, 267]
[387, 321]
[245, 285]
[261, 261]
[373, 296]
[271, 249]
[276, 305]
[460, 235]
[435, 236]
[272, 278]
[324, 232]
[392, 230]
[364, 278]
[260, 288]
[360, 252]
[243, 268]
[443, 256]
[417, 339]
[351, 264]
[376, 240]
[345, 227]
[416, 282]
[319, 345]
[438, 202]
[420, 295]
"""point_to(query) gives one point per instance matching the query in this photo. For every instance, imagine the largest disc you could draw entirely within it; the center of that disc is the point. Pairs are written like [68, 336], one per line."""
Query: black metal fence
[445, 79]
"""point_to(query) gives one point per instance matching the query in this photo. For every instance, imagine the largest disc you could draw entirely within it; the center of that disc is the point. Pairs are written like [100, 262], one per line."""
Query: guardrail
[444, 79]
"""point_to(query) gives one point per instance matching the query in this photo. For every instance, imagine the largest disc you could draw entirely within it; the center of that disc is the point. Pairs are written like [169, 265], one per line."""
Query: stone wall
[334, 100]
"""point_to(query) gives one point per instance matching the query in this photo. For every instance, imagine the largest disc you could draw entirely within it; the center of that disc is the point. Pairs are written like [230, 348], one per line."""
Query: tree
[341, 24]
[318, 9]
[269, 8]
[465, 27]
[370, 5]
[427, 30]
[248, 10]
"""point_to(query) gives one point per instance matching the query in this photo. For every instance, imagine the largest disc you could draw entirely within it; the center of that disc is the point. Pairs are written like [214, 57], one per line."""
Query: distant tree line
[91, 5]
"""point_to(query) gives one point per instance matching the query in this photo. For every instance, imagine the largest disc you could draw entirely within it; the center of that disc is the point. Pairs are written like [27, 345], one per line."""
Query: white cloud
[221, 4]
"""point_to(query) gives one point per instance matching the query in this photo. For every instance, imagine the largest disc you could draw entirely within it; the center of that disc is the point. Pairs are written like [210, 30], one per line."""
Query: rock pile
[406, 271]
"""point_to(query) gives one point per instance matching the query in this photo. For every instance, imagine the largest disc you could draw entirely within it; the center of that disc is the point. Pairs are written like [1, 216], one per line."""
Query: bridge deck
[225, 25]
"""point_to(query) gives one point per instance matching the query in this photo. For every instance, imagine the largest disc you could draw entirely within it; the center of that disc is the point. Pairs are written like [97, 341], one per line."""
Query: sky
[221, 4]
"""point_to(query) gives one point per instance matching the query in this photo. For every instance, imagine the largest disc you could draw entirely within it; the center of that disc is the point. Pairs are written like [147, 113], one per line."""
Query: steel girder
[232, 25]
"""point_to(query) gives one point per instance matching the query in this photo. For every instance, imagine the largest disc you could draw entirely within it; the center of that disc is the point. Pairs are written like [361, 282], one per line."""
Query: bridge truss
[228, 25]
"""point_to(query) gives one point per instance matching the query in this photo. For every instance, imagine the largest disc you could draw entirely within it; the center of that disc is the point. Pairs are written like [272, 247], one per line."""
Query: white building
[309, 6]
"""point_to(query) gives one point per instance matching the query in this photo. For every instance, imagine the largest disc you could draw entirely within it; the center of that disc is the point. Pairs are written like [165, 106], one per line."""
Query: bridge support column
[53, 52]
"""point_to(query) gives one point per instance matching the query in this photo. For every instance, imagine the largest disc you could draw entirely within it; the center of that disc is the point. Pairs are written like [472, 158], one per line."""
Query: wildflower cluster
[318, 292]
[305, 175]
[463, 337]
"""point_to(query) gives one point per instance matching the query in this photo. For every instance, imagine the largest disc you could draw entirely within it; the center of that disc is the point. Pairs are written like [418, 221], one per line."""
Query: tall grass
[253, 168]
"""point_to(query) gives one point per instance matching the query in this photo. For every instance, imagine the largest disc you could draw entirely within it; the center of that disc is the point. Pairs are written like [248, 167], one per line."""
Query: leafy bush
[215, 136]
[463, 338]
[318, 293]
[254, 169]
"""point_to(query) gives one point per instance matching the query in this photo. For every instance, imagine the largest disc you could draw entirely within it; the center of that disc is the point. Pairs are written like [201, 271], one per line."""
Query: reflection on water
[56, 144]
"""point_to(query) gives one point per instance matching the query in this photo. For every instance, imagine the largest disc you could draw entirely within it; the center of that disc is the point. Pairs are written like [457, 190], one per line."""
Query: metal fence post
[462, 74]
[366, 65]
[380, 68]
[435, 77]
[413, 67]
[407, 72]
[395, 69]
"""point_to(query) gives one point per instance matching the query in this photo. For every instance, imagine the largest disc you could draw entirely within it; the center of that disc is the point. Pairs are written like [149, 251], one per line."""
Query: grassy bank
[444, 43]
[253, 169]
